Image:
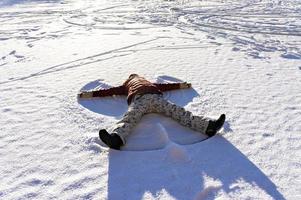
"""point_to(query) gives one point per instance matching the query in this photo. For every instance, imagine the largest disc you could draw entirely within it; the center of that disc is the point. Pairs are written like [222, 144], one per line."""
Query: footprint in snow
[291, 55]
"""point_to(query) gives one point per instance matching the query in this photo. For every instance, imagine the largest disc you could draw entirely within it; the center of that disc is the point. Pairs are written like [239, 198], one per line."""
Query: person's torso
[139, 85]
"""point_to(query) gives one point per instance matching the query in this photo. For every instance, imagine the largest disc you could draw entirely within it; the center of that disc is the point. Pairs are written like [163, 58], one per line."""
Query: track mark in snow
[110, 27]
[12, 56]
[291, 55]
[81, 62]
[13, 53]
[239, 19]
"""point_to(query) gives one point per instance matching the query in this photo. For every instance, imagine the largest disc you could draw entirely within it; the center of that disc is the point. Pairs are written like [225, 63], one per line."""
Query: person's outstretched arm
[172, 86]
[103, 92]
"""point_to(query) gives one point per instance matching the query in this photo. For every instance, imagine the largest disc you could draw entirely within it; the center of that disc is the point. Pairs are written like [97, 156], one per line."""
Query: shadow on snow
[135, 174]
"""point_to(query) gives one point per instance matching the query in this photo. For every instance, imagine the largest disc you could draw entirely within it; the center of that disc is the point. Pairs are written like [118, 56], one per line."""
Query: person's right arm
[121, 90]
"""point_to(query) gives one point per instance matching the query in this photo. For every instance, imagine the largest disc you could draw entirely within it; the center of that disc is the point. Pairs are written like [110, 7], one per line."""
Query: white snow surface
[243, 59]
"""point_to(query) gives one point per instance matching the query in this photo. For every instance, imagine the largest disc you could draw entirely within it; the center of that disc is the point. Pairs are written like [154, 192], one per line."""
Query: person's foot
[215, 125]
[112, 140]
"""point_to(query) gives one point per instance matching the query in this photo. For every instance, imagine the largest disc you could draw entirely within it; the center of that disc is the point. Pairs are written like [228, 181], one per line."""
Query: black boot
[112, 140]
[215, 125]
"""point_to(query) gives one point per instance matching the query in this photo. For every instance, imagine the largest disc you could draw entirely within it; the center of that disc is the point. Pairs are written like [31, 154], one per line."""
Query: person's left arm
[172, 86]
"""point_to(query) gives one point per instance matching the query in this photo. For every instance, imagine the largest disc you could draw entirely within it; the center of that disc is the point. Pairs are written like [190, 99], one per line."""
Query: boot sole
[107, 139]
[220, 121]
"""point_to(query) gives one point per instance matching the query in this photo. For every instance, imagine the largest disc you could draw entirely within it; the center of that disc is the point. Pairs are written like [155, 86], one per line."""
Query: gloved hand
[185, 85]
[85, 94]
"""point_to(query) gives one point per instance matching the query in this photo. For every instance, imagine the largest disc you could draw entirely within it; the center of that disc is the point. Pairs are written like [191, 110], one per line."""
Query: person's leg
[185, 118]
[135, 112]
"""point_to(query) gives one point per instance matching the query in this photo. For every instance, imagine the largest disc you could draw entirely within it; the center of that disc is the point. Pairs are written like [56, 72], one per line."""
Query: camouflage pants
[155, 103]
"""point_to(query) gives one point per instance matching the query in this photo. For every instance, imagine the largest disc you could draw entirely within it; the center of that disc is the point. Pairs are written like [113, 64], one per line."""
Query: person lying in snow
[144, 97]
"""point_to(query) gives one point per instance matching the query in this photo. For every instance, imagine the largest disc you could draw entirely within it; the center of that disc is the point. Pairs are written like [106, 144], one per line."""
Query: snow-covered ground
[243, 59]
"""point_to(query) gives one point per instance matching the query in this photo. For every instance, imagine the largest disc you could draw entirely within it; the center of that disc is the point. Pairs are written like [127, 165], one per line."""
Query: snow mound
[157, 132]
[176, 153]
